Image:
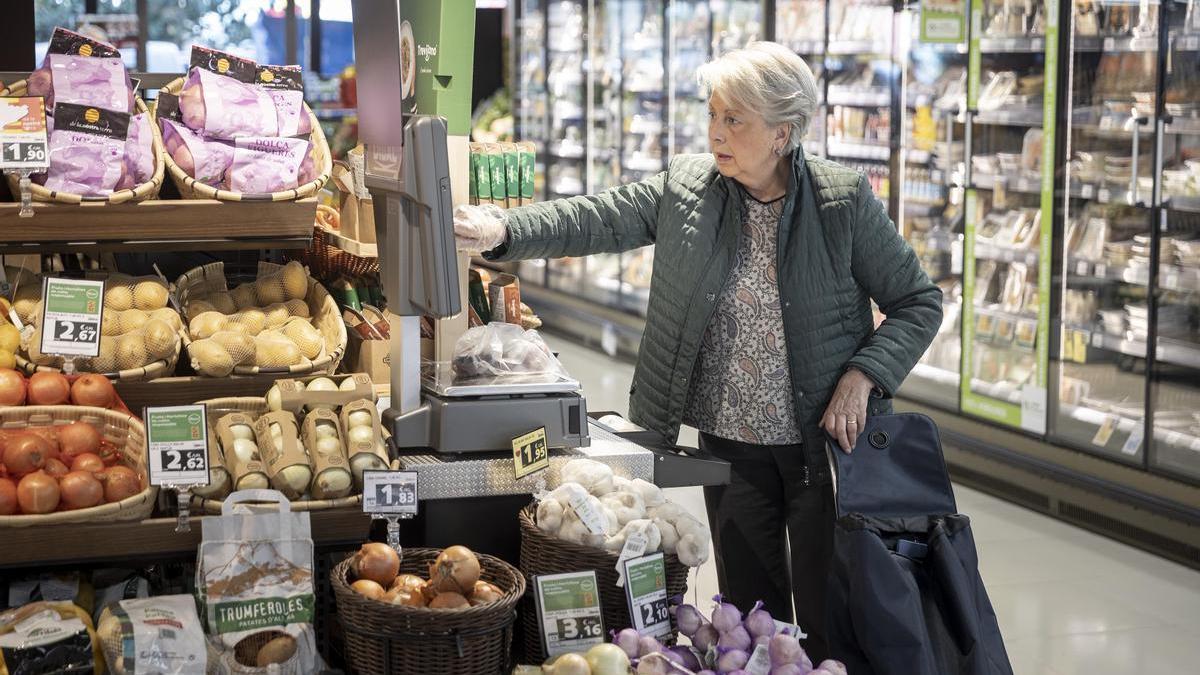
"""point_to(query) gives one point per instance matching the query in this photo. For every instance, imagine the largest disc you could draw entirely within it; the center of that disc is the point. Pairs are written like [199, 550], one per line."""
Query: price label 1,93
[569, 613]
[530, 454]
[71, 314]
[646, 591]
[177, 443]
[390, 493]
[23, 134]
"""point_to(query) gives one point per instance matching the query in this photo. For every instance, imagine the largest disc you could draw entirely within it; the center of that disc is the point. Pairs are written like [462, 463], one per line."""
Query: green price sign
[569, 613]
[177, 445]
[71, 316]
[530, 454]
[646, 592]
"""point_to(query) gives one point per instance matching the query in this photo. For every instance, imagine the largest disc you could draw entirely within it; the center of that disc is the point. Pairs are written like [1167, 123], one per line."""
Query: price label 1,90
[530, 454]
[177, 443]
[23, 134]
[71, 314]
[569, 613]
[646, 591]
[390, 493]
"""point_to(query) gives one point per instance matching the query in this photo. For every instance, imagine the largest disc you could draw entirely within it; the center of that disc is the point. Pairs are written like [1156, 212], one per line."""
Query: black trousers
[768, 507]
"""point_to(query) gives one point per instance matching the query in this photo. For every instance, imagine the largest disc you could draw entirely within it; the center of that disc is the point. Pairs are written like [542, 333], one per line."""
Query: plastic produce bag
[262, 165]
[153, 636]
[102, 83]
[223, 107]
[139, 153]
[286, 89]
[87, 150]
[48, 637]
[207, 161]
[501, 350]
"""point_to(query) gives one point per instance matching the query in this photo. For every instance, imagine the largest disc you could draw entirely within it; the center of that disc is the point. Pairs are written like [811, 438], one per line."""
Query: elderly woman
[759, 330]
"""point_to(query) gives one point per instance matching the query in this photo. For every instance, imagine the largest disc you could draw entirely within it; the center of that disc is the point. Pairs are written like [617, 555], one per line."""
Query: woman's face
[742, 142]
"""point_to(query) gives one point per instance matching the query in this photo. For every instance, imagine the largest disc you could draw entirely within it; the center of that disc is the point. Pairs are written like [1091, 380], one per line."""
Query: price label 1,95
[177, 443]
[530, 454]
[71, 314]
[23, 134]
[569, 613]
[646, 591]
[390, 493]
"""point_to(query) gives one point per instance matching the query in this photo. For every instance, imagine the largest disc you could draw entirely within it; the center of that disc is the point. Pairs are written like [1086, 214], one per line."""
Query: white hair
[770, 79]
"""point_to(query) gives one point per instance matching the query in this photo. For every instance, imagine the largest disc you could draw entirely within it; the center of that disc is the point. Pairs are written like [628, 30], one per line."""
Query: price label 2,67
[569, 615]
[71, 316]
[646, 591]
[530, 454]
[390, 493]
[177, 443]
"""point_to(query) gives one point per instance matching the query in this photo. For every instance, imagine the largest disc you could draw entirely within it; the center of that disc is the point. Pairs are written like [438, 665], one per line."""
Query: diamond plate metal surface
[472, 475]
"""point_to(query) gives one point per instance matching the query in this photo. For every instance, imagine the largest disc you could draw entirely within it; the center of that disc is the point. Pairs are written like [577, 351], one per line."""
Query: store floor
[1069, 602]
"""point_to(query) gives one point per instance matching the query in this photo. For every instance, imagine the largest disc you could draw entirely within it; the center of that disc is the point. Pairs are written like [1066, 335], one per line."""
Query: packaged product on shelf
[472, 180]
[297, 395]
[153, 636]
[98, 82]
[285, 86]
[139, 153]
[205, 160]
[65, 43]
[49, 637]
[263, 165]
[363, 437]
[512, 173]
[483, 173]
[504, 299]
[331, 467]
[239, 448]
[254, 583]
[219, 482]
[288, 464]
[526, 167]
[115, 585]
[499, 181]
[87, 150]
[219, 100]
[47, 587]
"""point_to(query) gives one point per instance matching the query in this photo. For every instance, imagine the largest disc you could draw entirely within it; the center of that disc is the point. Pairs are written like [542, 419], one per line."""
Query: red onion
[737, 638]
[627, 640]
[785, 649]
[648, 645]
[791, 669]
[834, 667]
[688, 619]
[731, 659]
[725, 616]
[706, 637]
[684, 657]
[759, 622]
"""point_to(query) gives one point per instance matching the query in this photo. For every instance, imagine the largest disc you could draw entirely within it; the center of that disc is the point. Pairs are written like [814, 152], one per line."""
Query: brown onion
[37, 493]
[405, 597]
[408, 582]
[456, 570]
[120, 482]
[55, 468]
[378, 562]
[485, 593]
[449, 600]
[80, 490]
[76, 439]
[8, 497]
[26, 453]
[88, 461]
[94, 390]
[48, 389]
[368, 588]
[12, 387]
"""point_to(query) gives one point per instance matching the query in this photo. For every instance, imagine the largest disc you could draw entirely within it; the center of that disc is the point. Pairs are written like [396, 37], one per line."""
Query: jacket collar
[795, 183]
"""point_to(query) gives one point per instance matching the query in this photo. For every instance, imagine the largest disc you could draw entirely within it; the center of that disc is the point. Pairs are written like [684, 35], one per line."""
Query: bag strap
[241, 496]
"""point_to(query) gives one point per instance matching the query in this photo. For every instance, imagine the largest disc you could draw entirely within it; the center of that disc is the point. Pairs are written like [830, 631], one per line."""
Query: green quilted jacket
[838, 250]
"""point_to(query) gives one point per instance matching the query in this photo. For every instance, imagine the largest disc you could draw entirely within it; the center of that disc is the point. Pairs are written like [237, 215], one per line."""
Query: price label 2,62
[646, 591]
[23, 134]
[177, 443]
[71, 316]
[530, 454]
[390, 493]
[568, 607]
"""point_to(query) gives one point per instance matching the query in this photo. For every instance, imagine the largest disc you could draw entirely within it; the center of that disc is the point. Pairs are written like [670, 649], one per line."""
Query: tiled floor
[1069, 602]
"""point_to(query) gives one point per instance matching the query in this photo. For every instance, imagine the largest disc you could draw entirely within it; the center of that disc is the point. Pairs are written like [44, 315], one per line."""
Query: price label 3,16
[569, 613]
[71, 315]
[177, 442]
[646, 592]
[390, 493]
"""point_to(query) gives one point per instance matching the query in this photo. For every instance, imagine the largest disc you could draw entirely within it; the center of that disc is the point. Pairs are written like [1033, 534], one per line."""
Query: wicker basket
[138, 193]
[123, 430]
[328, 261]
[190, 189]
[254, 406]
[544, 554]
[385, 639]
[321, 306]
[150, 371]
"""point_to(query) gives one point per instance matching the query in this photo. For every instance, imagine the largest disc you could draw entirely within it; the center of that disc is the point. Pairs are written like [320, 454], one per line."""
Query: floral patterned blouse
[741, 388]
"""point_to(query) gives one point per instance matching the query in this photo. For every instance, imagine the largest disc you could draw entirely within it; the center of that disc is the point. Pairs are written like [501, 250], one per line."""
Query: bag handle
[259, 495]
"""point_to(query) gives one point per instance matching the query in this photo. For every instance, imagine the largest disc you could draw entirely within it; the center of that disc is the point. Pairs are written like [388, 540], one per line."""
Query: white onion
[358, 435]
[241, 432]
[274, 399]
[328, 446]
[359, 418]
[326, 429]
[348, 384]
[321, 384]
[246, 450]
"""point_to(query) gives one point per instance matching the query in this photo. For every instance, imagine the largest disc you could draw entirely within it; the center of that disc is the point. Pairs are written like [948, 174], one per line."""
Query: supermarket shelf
[942, 47]
[857, 150]
[1169, 351]
[935, 374]
[351, 246]
[335, 113]
[998, 390]
[1013, 45]
[1185, 43]
[158, 225]
[807, 47]
[1170, 277]
[1028, 117]
[1189, 204]
[862, 97]
[984, 181]
[989, 251]
[1104, 195]
[152, 538]
[863, 47]
[1184, 126]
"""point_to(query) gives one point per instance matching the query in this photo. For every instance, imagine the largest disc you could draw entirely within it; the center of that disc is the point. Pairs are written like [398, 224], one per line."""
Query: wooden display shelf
[158, 225]
[147, 539]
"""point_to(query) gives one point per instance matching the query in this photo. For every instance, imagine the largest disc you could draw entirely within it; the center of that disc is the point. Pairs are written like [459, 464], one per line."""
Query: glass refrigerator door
[800, 26]
[566, 146]
[931, 216]
[531, 112]
[735, 24]
[1176, 390]
[1101, 365]
[1012, 73]
[690, 37]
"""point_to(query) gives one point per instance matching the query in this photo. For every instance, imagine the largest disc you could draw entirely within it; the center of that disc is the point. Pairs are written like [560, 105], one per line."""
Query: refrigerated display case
[802, 26]
[530, 102]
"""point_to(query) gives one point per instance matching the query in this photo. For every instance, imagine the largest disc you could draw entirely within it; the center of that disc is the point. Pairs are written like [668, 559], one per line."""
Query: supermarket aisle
[1069, 602]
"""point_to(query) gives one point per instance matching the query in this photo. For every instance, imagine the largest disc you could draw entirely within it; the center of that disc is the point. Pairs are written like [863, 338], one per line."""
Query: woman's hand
[479, 228]
[847, 412]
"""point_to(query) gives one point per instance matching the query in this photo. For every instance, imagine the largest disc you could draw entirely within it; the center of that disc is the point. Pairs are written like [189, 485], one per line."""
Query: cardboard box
[331, 468]
[365, 455]
[283, 452]
[248, 474]
[294, 396]
[357, 211]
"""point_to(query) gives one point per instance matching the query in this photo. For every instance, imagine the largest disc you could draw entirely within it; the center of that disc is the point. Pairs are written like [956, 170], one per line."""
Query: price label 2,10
[390, 493]
[71, 316]
[569, 615]
[646, 592]
[177, 443]
[530, 454]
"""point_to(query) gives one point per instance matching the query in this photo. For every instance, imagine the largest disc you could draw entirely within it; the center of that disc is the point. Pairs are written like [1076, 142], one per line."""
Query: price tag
[588, 513]
[1079, 338]
[956, 257]
[1101, 271]
[530, 454]
[760, 661]
[1134, 442]
[1033, 409]
[646, 593]
[568, 607]
[1000, 192]
[789, 629]
[1081, 268]
[71, 316]
[390, 493]
[177, 445]
[23, 134]
[635, 546]
[1105, 432]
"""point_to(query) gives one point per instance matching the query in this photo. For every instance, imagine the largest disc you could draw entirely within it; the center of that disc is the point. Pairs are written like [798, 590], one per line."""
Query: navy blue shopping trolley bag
[905, 595]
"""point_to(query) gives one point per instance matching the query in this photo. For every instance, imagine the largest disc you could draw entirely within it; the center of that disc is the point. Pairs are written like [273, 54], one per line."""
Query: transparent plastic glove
[479, 228]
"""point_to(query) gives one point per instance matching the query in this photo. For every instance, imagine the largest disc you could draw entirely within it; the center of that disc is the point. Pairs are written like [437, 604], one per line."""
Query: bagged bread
[87, 150]
[264, 165]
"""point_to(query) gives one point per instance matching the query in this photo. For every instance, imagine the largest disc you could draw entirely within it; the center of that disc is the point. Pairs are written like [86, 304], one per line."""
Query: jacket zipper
[797, 202]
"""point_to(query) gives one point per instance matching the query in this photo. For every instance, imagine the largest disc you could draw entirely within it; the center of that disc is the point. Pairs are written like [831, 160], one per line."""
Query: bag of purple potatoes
[80, 70]
[225, 108]
[265, 165]
[206, 160]
[87, 150]
[285, 86]
[139, 153]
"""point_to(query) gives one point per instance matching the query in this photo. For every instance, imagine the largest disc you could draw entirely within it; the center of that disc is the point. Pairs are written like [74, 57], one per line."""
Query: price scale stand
[391, 496]
[177, 452]
[72, 311]
[23, 145]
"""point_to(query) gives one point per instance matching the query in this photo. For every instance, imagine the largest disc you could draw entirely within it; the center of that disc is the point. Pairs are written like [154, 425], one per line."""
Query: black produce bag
[905, 595]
